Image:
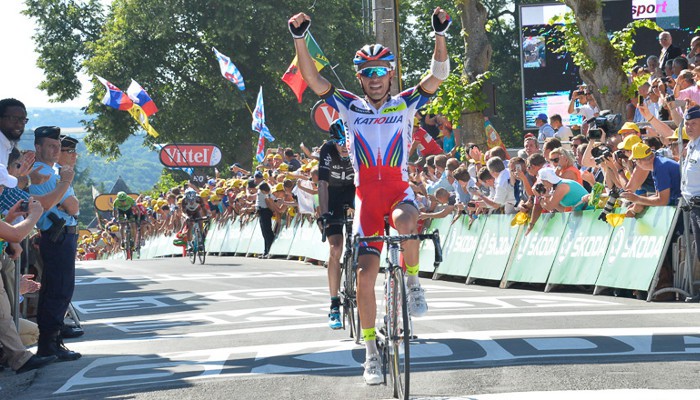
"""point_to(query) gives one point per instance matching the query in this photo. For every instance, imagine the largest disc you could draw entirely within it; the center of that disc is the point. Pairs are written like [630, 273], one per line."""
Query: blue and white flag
[229, 71]
[259, 118]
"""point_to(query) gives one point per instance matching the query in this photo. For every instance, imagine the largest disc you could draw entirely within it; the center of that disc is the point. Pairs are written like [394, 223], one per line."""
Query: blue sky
[19, 75]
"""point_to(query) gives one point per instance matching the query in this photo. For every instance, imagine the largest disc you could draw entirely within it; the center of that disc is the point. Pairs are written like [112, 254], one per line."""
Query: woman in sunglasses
[379, 137]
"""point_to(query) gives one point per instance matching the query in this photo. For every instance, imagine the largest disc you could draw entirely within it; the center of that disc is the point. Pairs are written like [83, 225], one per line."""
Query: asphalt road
[243, 328]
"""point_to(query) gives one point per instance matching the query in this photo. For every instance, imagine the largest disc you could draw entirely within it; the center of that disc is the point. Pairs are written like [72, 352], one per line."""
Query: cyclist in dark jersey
[379, 136]
[336, 188]
[193, 207]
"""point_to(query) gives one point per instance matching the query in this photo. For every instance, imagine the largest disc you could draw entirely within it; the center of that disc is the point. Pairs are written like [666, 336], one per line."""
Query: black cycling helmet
[337, 132]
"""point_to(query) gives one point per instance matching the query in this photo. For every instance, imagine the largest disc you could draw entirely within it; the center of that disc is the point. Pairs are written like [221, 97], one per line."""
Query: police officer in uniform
[57, 246]
[336, 189]
[690, 179]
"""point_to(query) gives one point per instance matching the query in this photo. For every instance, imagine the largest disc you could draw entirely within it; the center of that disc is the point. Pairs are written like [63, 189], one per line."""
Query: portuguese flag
[293, 76]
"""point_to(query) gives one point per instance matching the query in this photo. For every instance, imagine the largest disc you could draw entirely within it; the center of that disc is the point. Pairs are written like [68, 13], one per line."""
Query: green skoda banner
[460, 246]
[257, 243]
[246, 236]
[233, 236]
[215, 237]
[537, 250]
[581, 251]
[636, 249]
[302, 239]
[427, 250]
[284, 239]
[495, 246]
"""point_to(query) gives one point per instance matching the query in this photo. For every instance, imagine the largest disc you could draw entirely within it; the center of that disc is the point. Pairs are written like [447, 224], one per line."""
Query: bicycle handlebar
[325, 223]
[435, 237]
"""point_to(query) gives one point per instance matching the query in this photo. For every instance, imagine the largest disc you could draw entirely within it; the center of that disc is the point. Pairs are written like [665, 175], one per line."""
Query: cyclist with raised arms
[379, 135]
[125, 210]
[336, 189]
[193, 207]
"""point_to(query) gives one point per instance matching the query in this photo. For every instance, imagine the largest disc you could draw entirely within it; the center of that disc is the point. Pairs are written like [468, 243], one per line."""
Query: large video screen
[548, 77]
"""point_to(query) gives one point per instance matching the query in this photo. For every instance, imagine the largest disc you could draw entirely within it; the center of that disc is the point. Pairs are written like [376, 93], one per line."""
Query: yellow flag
[615, 219]
[520, 218]
[141, 117]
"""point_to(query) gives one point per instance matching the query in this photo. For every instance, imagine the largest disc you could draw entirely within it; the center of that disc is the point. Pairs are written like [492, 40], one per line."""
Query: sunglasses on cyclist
[370, 72]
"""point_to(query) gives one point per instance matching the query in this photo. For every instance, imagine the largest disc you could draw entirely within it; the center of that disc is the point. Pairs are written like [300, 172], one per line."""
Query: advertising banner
[105, 202]
[285, 237]
[581, 251]
[427, 250]
[460, 246]
[636, 249]
[537, 250]
[495, 246]
[302, 243]
[233, 235]
[257, 243]
[246, 236]
[190, 155]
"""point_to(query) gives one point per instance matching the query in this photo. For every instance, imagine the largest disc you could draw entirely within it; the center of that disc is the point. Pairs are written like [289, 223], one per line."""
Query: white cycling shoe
[373, 371]
[417, 306]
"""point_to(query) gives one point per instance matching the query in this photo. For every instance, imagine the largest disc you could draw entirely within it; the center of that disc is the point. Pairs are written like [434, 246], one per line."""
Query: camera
[540, 189]
[610, 204]
[471, 204]
[600, 153]
[670, 98]
[608, 121]
[665, 79]
[620, 154]
[595, 134]
[24, 206]
[473, 189]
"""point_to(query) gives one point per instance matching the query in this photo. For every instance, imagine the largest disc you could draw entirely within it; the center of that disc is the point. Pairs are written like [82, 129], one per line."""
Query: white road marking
[613, 394]
[433, 351]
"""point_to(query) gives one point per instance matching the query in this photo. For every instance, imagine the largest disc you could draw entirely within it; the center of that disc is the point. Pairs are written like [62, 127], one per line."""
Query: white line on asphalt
[471, 335]
[614, 394]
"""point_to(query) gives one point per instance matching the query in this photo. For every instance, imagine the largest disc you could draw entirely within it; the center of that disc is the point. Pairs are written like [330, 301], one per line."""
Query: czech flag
[229, 70]
[114, 97]
[140, 97]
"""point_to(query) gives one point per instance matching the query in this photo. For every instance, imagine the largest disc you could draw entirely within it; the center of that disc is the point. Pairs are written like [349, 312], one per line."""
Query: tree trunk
[607, 79]
[477, 57]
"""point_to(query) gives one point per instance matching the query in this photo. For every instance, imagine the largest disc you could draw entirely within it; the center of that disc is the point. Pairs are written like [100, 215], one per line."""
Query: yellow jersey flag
[141, 117]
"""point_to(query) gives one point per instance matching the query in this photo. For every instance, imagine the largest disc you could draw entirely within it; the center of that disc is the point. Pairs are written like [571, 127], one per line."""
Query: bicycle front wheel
[399, 356]
[200, 248]
[192, 251]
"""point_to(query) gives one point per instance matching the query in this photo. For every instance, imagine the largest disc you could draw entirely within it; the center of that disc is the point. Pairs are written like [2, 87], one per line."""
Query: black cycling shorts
[337, 199]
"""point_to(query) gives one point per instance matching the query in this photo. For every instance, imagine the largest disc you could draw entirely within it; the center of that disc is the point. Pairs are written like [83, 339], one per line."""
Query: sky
[19, 75]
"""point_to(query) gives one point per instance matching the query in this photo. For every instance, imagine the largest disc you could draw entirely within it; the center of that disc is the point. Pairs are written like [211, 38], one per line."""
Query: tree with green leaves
[604, 63]
[166, 45]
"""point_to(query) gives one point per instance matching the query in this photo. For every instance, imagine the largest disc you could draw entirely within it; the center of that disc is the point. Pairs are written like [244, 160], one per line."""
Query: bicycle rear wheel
[399, 354]
[349, 299]
[200, 248]
[127, 245]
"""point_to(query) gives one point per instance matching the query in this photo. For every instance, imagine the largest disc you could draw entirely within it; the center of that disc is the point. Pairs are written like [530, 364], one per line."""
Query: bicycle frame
[394, 334]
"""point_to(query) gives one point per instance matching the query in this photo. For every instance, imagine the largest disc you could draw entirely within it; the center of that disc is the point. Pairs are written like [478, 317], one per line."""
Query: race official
[57, 246]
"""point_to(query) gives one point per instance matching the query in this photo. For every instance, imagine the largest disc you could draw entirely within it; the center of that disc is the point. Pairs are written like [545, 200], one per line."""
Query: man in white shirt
[496, 176]
[561, 131]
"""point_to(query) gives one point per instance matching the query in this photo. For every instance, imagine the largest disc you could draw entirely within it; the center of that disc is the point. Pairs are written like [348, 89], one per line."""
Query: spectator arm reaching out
[658, 199]
[636, 179]
[662, 129]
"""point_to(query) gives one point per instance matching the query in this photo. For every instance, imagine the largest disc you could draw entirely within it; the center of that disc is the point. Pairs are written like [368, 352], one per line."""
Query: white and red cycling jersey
[379, 141]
